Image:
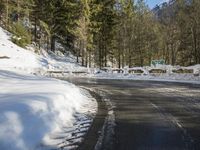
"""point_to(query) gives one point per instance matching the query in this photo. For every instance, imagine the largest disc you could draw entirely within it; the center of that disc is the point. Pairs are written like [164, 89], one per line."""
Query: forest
[108, 33]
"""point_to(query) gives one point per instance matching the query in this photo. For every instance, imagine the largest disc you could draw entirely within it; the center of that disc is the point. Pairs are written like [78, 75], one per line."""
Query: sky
[153, 3]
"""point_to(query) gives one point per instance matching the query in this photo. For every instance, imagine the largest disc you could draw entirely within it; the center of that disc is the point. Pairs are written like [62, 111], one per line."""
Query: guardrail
[195, 70]
[162, 69]
[51, 72]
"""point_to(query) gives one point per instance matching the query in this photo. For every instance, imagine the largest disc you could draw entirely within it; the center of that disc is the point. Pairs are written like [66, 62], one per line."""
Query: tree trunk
[195, 45]
[35, 29]
[53, 40]
[78, 51]
[100, 55]
[172, 55]
[7, 15]
[84, 53]
[119, 58]
[86, 62]
[77, 58]
[47, 40]
[90, 59]
[105, 56]
[129, 58]
[18, 11]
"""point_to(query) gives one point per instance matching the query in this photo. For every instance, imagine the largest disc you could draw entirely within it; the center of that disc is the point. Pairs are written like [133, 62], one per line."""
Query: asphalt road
[152, 115]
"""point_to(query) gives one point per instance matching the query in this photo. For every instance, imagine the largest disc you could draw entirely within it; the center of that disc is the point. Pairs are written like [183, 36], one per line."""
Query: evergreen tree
[61, 21]
[107, 19]
[110, 32]
[84, 32]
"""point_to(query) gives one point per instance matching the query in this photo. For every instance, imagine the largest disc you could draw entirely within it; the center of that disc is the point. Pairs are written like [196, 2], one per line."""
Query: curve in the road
[152, 115]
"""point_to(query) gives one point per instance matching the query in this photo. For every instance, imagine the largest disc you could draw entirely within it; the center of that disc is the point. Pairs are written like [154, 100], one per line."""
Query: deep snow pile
[32, 108]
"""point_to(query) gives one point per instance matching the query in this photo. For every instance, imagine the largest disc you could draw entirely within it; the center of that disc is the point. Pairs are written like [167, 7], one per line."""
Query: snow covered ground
[13, 57]
[33, 108]
[37, 112]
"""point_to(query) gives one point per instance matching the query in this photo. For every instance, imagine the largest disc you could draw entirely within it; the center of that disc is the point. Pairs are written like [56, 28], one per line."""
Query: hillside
[13, 57]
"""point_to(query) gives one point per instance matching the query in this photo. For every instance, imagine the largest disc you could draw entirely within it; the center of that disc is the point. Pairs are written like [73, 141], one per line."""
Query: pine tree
[2, 10]
[126, 32]
[61, 21]
[107, 19]
[84, 32]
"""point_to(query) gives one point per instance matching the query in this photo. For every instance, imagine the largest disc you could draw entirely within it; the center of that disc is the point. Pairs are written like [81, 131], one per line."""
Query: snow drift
[33, 107]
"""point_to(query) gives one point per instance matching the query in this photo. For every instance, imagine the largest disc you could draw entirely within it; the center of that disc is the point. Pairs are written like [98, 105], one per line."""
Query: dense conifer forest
[101, 33]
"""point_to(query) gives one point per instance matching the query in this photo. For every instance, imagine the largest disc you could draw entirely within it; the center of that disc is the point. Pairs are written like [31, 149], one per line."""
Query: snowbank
[32, 107]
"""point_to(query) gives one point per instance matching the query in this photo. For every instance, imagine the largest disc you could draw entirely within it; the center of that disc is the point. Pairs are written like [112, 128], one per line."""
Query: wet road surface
[152, 115]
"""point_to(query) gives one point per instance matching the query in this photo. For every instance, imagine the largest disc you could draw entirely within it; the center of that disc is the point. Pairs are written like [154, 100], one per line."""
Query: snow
[32, 108]
[26, 60]
[37, 112]
[18, 58]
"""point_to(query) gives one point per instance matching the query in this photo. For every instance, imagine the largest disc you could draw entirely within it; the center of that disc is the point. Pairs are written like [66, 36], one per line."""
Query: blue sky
[153, 3]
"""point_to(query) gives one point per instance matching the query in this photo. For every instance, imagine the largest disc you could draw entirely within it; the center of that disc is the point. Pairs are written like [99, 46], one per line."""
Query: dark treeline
[103, 33]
